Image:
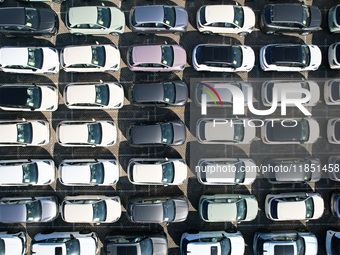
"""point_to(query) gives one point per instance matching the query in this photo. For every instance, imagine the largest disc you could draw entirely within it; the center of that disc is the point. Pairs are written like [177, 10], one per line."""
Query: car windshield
[72, 247]
[95, 133]
[104, 17]
[168, 211]
[236, 54]
[167, 55]
[30, 173]
[33, 97]
[309, 208]
[24, 133]
[146, 247]
[31, 18]
[241, 209]
[202, 16]
[99, 211]
[240, 174]
[97, 173]
[167, 133]
[225, 246]
[305, 16]
[300, 245]
[305, 55]
[169, 92]
[35, 58]
[238, 16]
[169, 16]
[98, 55]
[304, 130]
[102, 94]
[168, 172]
[238, 132]
[33, 211]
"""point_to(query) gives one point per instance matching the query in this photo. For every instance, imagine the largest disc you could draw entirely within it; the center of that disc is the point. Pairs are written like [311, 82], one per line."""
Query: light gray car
[158, 19]
[333, 131]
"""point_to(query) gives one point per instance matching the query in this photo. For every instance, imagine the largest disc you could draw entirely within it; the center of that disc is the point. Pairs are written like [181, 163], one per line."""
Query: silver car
[334, 168]
[332, 92]
[333, 131]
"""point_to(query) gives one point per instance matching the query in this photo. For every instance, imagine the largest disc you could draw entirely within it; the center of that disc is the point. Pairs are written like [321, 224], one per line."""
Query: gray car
[287, 170]
[333, 168]
[164, 133]
[159, 94]
[153, 244]
[158, 19]
[28, 209]
[157, 210]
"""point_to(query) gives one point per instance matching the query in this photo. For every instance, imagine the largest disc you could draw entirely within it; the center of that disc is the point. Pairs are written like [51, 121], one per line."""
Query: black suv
[291, 18]
[20, 21]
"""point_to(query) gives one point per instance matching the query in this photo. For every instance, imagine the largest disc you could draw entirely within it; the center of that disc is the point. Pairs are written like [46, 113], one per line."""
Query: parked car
[225, 19]
[290, 57]
[288, 170]
[226, 171]
[333, 165]
[227, 208]
[158, 19]
[333, 131]
[291, 131]
[223, 58]
[24, 133]
[28, 97]
[28, 209]
[13, 242]
[290, 18]
[143, 244]
[94, 209]
[224, 131]
[332, 92]
[335, 204]
[94, 96]
[88, 172]
[157, 171]
[269, 86]
[162, 133]
[30, 60]
[156, 58]
[333, 19]
[334, 56]
[157, 210]
[212, 242]
[90, 58]
[332, 242]
[83, 242]
[294, 206]
[159, 94]
[223, 89]
[27, 172]
[95, 20]
[285, 242]
[21, 21]
[86, 133]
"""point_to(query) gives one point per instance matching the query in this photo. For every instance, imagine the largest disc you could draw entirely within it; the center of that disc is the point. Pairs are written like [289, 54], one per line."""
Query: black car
[165, 133]
[291, 18]
[159, 94]
[28, 22]
[157, 210]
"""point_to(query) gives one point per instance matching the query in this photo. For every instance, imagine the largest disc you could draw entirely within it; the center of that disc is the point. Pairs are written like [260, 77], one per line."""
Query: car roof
[13, 95]
[11, 174]
[219, 132]
[286, 53]
[77, 55]
[203, 248]
[147, 54]
[147, 172]
[75, 133]
[148, 212]
[78, 94]
[291, 210]
[13, 212]
[146, 134]
[131, 249]
[12, 16]
[222, 211]
[284, 249]
[13, 56]
[216, 54]
[76, 173]
[287, 13]
[277, 132]
[219, 13]
[83, 15]
[149, 14]
[8, 132]
[71, 212]
[148, 92]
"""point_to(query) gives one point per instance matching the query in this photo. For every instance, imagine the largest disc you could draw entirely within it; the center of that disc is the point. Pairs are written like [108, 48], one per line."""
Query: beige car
[91, 209]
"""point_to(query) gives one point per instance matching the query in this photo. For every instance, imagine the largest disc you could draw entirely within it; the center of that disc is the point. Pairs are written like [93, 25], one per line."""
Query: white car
[226, 171]
[86, 133]
[157, 171]
[332, 242]
[27, 172]
[94, 209]
[223, 58]
[231, 19]
[334, 56]
[24, 133]
[22, 97]
[94, 96]
[294, 206]
[29, 60]
[290, 57]
[88, 172]
[83, 242]
[268, 87]
[332, 92]
[90, 58]
[13, 243]
[212, 242]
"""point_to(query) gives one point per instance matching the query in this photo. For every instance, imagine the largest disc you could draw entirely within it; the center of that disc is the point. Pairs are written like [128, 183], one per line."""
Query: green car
[95, 20]
[333, 19]
[228, 208]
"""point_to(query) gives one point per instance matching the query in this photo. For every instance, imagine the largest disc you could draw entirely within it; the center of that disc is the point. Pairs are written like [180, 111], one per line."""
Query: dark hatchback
[20, 21]
[290, 18]
[165, 133]
[159, 94]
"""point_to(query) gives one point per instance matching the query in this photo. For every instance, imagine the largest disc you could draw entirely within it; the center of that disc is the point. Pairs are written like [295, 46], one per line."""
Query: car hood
[112, 56]
[13, 246]
[179, 133]
[109, 133]
[114, 210]
[111, 173]
[319, 206]
[315, 56]
[252, 208]
[49, 97]
[248, 58]
[314, 130]
[41, 132]
[159, 246]
[116, 95]
[315, 16]
[148, 92]
[181, 17]
[46, 171]
[180, 56]
[181, 93]
[49, 210]
[311, 244]
[117, 18]
[146, 134]
[182, 210]
[47, 19]
[181, 171]
[237, 244]
[51, 59]
[249, 18]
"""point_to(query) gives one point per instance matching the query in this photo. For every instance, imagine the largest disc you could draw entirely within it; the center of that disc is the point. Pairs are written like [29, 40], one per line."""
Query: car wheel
[114, 34]
[85, 232]
[13, 231]
[178, 33]
[207, 33]
[243, 33]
